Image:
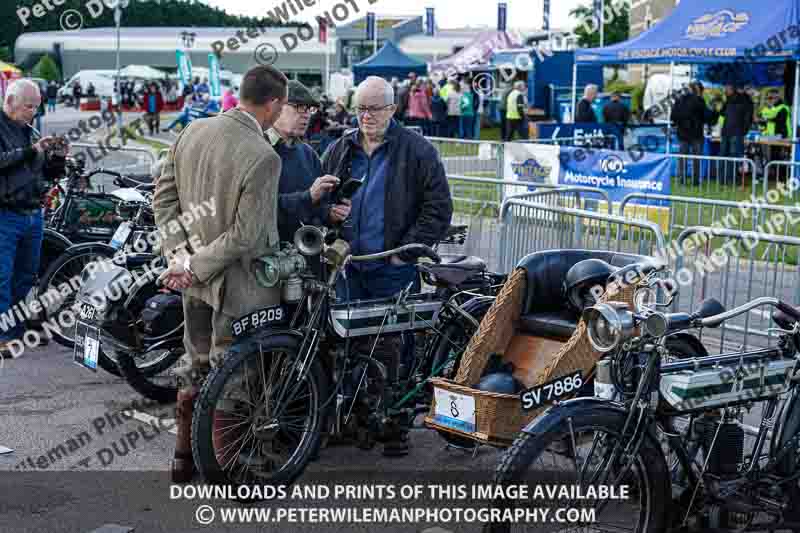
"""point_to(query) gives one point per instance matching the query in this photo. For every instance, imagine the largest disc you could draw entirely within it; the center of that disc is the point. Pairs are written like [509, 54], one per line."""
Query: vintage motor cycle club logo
[717, 24]
[531, 170]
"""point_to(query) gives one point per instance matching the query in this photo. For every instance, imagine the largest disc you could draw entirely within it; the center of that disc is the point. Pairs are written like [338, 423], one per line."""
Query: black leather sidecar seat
[545, 311]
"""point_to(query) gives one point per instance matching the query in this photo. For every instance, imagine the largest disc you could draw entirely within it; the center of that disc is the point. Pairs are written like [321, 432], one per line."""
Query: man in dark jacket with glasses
[404, 199]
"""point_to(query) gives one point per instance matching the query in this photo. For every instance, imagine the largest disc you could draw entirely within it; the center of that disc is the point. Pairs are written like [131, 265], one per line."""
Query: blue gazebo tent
[388, 62]
[712, 32]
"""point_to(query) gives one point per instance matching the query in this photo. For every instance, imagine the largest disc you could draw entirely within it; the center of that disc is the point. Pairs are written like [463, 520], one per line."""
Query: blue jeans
[467, 127]
[51, 104]
[20, 248]
[381, 282]
[731, 147]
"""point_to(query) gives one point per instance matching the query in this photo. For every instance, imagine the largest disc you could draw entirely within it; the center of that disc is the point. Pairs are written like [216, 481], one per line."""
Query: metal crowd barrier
[786, 175]
[470, 157]
[477, 203]
[735, 267]
[573, 197]
[120, 158]
[528, 226]
[723, 178]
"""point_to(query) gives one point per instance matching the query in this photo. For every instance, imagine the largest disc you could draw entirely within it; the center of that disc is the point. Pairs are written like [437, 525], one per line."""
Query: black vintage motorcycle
[314, 366]
[671, 430]
[58, 286]
[127, 324]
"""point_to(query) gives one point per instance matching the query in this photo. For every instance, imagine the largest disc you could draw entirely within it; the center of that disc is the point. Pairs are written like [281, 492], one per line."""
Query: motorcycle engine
[727, 451]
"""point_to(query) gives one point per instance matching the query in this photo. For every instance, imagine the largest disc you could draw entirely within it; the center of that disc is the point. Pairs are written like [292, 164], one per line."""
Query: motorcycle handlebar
[422, 249]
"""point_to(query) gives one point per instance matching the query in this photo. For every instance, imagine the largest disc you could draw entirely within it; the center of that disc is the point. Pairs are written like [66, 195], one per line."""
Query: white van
[103, 81]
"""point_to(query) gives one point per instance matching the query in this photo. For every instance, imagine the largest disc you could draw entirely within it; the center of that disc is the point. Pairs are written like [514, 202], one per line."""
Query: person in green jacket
[778, 116]
[467, 104]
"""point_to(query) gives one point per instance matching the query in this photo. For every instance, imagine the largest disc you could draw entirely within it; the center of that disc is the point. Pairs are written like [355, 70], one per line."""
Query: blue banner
[430, 24]
[213, 76]
[501, 16]
[370, 26]
[184, 67]
[550, 132]
[546, 16]
[617, 173]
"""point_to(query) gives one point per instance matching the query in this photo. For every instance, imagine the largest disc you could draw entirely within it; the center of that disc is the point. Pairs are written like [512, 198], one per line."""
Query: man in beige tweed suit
[227, 161]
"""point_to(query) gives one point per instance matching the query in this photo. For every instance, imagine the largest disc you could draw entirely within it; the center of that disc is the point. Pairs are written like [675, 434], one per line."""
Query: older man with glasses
[302, 187]
[404, 199]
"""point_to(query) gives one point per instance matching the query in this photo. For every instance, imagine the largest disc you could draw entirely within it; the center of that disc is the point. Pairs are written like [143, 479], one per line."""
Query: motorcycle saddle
[455, 271]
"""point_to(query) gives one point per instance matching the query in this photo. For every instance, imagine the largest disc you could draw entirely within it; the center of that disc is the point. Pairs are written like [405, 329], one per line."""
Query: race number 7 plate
[87, 346]
[551, 391]
[455, 410]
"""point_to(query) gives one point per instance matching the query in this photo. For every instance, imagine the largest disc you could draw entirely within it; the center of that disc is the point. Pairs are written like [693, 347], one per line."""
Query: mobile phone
[347, 189]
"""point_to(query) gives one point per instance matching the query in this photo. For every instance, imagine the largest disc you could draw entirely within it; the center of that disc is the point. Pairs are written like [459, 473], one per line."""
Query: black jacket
[585, 113]
[418, 202]
[690, 114]
[21, 166]
[616, 113]
[738, 113]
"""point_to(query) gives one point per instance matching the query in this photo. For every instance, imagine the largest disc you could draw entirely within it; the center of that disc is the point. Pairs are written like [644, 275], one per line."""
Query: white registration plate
[121, 235]
[455, 410]
[87, 345]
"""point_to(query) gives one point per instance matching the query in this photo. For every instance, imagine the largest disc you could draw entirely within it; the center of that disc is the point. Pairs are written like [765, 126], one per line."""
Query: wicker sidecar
[530, 325]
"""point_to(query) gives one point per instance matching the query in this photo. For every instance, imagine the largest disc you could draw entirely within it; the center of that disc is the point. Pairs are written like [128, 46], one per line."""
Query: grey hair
[388, 91]
[590, 88]
[519, 84]
[17, 87]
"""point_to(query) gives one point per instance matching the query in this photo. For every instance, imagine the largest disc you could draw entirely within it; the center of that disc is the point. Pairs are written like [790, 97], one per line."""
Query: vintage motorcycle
[57, 286]
[314, 366]
[670, 427]
[127, 324]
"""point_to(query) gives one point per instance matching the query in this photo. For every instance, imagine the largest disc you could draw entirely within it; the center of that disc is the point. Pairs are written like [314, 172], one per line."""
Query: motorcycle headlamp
[608, 324]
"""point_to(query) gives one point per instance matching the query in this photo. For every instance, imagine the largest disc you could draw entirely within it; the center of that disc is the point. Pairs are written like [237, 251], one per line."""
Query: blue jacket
[416, 186]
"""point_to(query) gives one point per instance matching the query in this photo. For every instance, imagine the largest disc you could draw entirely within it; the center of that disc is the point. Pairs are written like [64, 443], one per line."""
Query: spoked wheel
[153, 374]
[59, 287]
[579, 453]
[254, 422]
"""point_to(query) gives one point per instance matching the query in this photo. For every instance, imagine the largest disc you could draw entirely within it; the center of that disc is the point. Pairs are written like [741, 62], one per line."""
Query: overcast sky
[449, 13]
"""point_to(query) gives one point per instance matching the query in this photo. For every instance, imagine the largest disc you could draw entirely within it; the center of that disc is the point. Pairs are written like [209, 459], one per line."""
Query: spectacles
[304, 108]
[372, 110]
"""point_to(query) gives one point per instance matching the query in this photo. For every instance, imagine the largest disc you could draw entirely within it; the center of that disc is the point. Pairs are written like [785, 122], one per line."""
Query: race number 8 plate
[551, 391]
[455, 410]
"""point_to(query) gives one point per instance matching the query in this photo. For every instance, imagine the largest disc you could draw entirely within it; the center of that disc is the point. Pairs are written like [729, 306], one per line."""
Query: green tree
[616, 25]
[5, 53]
[46, 69]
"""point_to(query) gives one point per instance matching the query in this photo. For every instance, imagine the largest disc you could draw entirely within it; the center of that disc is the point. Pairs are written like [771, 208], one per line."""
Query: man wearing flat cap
[302, 188]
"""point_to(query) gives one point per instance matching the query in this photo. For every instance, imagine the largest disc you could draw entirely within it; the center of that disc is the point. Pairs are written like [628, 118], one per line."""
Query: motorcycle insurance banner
[214, 76]
[620, 174]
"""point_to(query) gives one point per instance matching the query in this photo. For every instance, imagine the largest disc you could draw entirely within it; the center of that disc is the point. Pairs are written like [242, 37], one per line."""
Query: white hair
[519, 84]
[388, 91]
[18, 87]
[590, 89]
